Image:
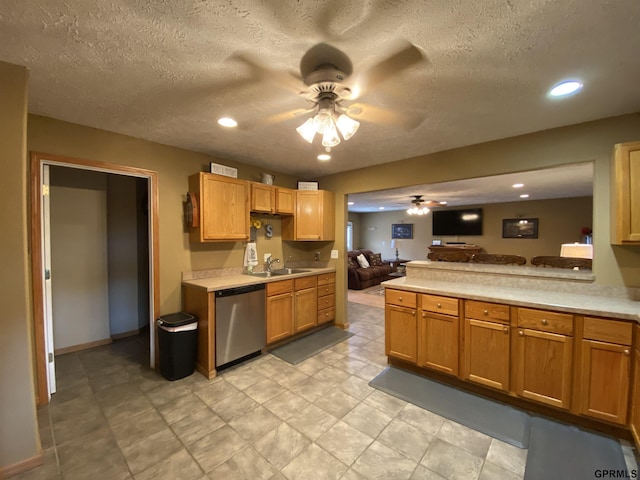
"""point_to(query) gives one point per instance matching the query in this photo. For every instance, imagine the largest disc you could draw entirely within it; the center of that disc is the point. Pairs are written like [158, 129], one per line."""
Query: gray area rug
[496, 419]
[556, 450]
[559, 451]
[306, 347]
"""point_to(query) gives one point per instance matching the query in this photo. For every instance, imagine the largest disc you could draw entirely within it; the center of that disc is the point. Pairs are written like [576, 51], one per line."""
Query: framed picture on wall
[520, 228]
[401, 230]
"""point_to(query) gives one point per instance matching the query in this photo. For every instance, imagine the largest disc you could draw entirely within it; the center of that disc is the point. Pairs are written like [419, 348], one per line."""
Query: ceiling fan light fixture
[307, 130]
[347, 126]
[330, 137]
[416, 210]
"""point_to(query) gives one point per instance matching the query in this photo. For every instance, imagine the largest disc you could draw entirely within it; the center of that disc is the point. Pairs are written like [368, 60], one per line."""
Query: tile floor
[112, 418]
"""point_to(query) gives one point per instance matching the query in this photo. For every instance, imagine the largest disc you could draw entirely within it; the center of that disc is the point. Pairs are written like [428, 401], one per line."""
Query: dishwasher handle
[229, 292]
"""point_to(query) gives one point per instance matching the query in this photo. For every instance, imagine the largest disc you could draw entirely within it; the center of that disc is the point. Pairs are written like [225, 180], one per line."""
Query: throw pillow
[376, 259]
[351, 263]
[362, 261]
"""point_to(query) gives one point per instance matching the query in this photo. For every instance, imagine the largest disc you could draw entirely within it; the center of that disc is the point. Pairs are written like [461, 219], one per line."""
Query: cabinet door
[308, 215]
[543, 367]
[604, 391]
[486, 353]
[225, 209]
[635, 394]
[625, 194]
[306, 309]
[279, 317]
[285, 201]
[438, 342]
[262, 198]
[400, 333]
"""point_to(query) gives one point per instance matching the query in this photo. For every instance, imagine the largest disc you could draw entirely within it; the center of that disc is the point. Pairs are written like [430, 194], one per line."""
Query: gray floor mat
[496, 419]
[559, 451]
[306, 347]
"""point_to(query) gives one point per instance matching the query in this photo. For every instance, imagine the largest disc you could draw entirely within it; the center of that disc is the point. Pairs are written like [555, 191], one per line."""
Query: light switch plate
[334, 253]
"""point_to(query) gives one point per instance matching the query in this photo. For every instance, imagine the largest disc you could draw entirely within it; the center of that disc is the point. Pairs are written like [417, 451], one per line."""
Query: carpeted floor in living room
[372, 296]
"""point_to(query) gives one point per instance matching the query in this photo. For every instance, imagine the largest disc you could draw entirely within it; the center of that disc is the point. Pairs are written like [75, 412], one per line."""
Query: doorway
[42, 324]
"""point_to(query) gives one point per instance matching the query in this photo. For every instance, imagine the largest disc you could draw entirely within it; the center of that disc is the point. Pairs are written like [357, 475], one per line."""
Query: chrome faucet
[269, 262]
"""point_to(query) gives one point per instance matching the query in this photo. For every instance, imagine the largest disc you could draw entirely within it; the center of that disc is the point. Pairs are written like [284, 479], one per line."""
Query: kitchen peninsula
[549, 340]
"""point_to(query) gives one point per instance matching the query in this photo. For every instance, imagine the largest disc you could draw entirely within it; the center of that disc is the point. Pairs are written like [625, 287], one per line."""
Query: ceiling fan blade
[383, 116]
[405, 55]
[250, 124]
[260, 72]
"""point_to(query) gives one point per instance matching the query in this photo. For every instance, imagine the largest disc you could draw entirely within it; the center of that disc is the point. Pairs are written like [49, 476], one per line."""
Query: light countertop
[584, 304]
[222, 282]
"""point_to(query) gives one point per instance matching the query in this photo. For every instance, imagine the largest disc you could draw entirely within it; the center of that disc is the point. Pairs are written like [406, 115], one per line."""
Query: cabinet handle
[521, 333]
[626, 351]
[424, 314]
[505, 329]
[545, 322]
[486, 312]
[413, 312]
[438, 305]
[399, 299]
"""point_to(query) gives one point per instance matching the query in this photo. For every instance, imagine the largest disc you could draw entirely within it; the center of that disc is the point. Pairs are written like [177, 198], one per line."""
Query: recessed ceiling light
[350, 203]
[444, 202]
[380, 208]
[227, 122]
[324, 156]
[518, 185]
[524, 195]
[565, 88]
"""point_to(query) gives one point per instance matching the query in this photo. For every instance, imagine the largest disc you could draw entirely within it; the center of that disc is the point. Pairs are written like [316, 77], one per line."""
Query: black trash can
[178, 344]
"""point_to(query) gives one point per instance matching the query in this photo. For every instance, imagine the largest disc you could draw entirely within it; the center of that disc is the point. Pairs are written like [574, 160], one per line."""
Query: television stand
[469, 248]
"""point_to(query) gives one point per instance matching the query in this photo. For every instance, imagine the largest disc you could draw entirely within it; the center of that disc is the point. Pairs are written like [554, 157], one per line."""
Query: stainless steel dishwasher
[240, 323]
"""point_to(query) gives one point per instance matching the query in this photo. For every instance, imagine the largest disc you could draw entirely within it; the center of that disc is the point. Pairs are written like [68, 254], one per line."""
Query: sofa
[364, 277]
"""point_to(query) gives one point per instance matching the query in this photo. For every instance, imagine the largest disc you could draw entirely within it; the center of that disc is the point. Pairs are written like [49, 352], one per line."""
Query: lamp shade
[576, 250]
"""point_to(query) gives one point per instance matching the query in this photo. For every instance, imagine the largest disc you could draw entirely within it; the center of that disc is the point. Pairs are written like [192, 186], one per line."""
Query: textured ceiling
[165, 70]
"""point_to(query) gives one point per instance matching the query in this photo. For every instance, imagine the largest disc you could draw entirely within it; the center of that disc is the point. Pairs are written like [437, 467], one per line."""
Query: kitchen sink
[276, 273]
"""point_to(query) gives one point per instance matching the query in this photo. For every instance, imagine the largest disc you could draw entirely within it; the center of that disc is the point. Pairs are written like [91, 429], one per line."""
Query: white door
[46, 256]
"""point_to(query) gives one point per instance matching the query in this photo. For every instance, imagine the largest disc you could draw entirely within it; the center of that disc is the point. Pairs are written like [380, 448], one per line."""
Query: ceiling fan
[329, 84]
[419, 206]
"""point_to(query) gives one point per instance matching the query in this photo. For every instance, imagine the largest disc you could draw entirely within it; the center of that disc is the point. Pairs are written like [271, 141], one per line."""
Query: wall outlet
[334, 253]
[266, 257]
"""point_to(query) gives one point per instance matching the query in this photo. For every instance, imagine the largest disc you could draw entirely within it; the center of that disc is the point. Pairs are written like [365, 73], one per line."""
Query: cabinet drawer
[608, 330]
[543, 320]
[328, 289]
[486, 311]
[276, 288]
[400, 297]
[326, 278]
[326, 301]
[444, 305]
[305, 282]
[326, 315]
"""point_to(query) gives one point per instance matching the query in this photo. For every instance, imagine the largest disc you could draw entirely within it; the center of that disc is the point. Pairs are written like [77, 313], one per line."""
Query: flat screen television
[457, 222]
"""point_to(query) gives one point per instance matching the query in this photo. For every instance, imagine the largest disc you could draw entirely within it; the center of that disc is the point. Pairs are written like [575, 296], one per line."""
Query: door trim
[37, 266]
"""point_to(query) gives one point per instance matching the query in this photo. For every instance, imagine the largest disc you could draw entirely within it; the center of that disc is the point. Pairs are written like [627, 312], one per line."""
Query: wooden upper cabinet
[635, 393]
[285, 201]
[223, 208]
[625, 194]
[314, 218]
[269, 199]
[262, 197]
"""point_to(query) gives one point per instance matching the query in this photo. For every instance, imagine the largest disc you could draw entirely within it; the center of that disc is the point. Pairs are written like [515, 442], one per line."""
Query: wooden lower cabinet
[543, 363]
[486, 344]
[438, 333]
[326, 298]
[635, 393]
[279, 311]
[605, 369]
[486, 353]
[400, 333]
[305, 304]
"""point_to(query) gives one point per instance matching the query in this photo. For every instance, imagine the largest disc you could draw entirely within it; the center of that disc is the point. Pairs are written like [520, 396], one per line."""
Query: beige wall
[173, 166]
[559, 221]
[593, 141]
[18, 428]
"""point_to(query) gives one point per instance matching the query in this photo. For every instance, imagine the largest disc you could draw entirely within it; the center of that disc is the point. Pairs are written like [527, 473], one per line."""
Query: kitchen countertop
[584, 304]
[222, 282]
